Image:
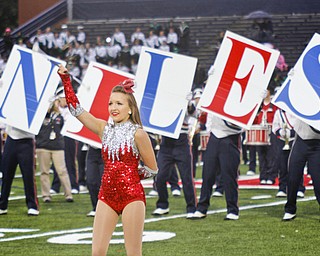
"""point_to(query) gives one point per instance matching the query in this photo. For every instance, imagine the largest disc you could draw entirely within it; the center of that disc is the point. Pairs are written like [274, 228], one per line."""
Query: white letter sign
[242, 71]
[300, 92]
[30, 79]
[164, 79]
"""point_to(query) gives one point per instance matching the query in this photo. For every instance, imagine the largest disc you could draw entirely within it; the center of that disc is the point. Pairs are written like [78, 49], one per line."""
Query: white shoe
[217, 194]
[231, 216]
[153, 193]
[33, 212]
[281, 194]
[250, 173]
[46, 199]
[160, 211]
[53, 192]
[74, 191]
[288, 216]
[198, 215]
[300, 194]
[91, 214]
[83, 189]
[269, 182]
[176, 192]
[189, 215]
[263, 182]
[2, 212]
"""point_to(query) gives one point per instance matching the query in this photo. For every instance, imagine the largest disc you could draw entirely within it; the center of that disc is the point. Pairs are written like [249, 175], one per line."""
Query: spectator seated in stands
[152, 40]
[139, 36]
[172, 40]
[162, 37]
[81, 36]
[118, 37]
[101, 51]
[135, 50]
[112, 50]
[164, 46]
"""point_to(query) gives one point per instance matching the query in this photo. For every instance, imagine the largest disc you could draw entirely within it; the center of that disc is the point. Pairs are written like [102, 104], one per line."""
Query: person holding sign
[266, 151]
[222, 153]
[285, 134]
[305, 149]
[124, 142]
[19, 150]
[176, 151]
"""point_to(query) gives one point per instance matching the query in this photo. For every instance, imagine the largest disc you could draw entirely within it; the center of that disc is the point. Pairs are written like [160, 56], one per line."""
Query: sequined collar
[117, 137]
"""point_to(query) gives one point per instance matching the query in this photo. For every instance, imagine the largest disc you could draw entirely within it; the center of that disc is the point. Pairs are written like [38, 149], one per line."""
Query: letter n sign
[242, 71]
[29, 81]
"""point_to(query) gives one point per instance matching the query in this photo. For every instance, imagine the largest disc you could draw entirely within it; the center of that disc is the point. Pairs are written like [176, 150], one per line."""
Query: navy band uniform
[19, 149]
[222, 153]
[305, 149]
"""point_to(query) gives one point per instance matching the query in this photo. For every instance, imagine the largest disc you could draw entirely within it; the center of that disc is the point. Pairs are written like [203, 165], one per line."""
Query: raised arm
[94, 124]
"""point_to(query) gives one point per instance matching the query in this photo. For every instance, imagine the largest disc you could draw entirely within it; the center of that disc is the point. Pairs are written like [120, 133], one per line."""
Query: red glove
[71, 98]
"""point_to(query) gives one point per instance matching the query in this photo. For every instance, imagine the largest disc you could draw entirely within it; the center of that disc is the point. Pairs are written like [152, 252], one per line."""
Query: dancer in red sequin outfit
[124, 142]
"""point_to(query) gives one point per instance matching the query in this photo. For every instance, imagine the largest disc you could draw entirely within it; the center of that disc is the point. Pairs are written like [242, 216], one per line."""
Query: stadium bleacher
[292, 32]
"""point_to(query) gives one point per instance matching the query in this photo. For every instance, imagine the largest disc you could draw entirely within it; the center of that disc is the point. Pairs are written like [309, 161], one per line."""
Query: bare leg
[104, 224]
[133, 222]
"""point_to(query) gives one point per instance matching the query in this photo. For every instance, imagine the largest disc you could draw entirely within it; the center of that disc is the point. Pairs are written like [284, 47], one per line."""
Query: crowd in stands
[117, 50]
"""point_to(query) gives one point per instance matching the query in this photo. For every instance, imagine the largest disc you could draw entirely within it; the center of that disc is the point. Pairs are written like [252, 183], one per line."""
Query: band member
[222, 154]
[176, 151]
[285, 134]
[19, 150]
[305, 149]
[266, 154]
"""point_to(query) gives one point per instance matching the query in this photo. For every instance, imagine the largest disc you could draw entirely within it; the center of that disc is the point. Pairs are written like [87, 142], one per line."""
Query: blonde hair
[135, 114]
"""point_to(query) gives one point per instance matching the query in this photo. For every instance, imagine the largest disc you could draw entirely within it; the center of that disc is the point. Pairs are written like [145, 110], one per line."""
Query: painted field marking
[89, 229]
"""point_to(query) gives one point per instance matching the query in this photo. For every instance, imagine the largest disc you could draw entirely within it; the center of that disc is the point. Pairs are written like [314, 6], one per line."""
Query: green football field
[63, 229]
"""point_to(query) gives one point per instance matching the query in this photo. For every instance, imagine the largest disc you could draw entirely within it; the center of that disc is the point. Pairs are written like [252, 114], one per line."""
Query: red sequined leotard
[120, 184]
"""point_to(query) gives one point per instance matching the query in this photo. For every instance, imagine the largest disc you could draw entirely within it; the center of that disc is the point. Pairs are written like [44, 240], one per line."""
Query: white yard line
[89, 229]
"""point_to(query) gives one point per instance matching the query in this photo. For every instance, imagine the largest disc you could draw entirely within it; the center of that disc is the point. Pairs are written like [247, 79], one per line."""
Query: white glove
[264, 94]
[189, 96]
[285, 133]
[291, 73]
